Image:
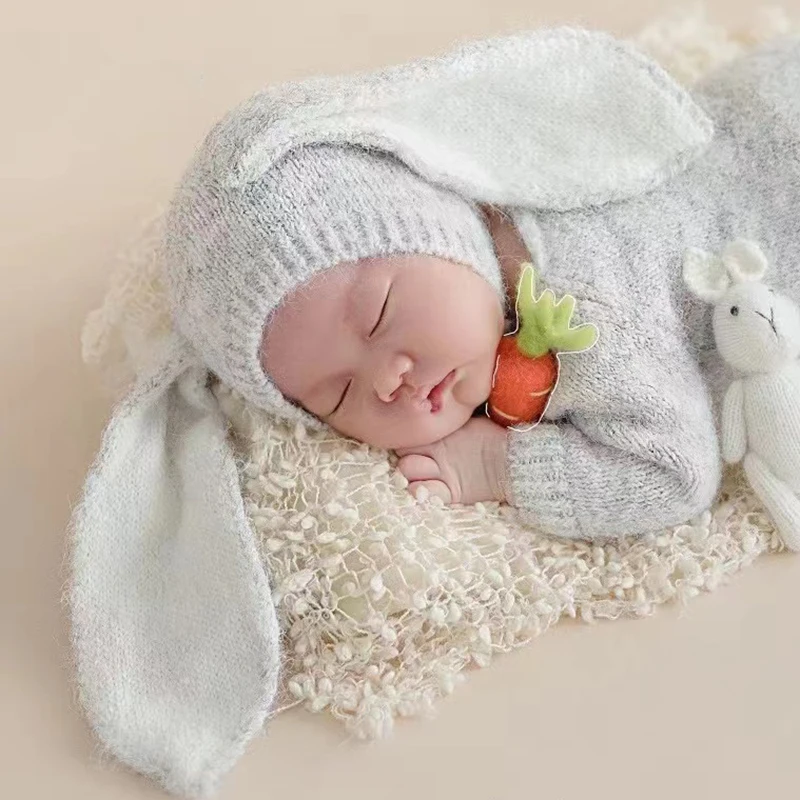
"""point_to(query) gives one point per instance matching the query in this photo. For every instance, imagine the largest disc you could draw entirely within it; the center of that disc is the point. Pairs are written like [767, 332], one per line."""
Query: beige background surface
[102, 105]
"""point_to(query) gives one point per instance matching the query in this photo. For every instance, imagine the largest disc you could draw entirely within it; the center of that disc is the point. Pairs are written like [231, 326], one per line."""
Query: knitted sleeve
[631, 446]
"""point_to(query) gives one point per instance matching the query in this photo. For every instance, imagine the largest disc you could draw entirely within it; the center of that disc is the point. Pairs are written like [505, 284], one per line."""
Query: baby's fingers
[419, 468]
[423, 472]
[433, 488]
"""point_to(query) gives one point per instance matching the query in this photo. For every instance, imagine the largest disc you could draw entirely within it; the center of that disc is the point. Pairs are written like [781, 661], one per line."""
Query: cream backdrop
[102, 105]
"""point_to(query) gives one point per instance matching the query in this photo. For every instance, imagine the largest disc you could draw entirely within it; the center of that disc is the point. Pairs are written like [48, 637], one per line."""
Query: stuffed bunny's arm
[734, 433]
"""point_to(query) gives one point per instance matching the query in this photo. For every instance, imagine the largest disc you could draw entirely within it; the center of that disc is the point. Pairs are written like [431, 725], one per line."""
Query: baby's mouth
[436, 395]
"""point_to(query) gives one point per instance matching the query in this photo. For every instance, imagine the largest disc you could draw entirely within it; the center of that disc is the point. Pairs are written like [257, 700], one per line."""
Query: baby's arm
[636, 451]
[637, 448]
[468, 466]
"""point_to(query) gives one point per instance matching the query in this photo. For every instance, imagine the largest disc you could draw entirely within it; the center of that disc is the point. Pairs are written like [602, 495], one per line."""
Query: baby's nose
[391, 378]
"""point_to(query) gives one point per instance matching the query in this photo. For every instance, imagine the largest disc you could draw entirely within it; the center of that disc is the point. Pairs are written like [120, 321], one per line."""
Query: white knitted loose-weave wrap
[383, 600]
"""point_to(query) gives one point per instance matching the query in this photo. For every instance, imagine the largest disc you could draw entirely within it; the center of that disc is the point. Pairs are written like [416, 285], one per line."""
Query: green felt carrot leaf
[544, 322]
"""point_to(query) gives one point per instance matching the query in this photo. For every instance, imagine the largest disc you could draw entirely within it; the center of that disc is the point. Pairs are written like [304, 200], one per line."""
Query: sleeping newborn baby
[399, 351]
[396, 350]
[375, 241]
[343, 252]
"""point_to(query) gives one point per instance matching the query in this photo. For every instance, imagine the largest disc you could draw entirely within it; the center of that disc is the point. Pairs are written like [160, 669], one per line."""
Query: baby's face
[395, 352]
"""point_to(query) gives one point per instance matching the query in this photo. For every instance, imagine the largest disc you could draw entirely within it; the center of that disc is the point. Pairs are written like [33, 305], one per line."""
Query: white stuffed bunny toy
[757, 332]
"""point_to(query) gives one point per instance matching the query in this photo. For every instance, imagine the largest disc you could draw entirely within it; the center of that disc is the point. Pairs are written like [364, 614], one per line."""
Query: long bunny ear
[174, 629]
[705, 274]
[744, 260]
[553, 119]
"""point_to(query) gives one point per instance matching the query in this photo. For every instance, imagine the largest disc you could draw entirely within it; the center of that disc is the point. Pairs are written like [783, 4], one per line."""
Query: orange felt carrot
[527, 365]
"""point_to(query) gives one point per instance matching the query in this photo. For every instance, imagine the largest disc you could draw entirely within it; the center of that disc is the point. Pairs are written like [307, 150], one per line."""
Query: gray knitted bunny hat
[233, 253]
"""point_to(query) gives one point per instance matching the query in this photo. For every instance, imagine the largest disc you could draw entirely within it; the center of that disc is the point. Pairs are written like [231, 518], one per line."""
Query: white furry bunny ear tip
[705, 274]
[744, 260]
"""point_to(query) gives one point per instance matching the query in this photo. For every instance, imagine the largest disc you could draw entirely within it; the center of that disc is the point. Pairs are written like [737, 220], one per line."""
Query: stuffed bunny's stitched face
[756, 329]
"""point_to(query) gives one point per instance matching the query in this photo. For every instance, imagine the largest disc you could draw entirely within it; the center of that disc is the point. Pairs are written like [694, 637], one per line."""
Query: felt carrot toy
[527, 366]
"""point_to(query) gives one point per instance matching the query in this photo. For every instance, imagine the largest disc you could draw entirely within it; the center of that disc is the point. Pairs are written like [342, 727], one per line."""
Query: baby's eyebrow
[361, 294]
[351, 298]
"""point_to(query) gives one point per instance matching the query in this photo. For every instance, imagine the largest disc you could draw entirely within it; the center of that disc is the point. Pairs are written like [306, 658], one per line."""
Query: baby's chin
[462, 407]
[423, 433]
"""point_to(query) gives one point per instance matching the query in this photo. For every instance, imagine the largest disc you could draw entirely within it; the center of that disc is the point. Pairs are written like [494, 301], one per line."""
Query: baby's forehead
[345, 281]
[320, 300]
[328, 284]
[307, 323]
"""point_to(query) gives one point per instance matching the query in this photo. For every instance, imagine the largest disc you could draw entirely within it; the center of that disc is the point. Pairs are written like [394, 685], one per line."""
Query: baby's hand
[467, 466]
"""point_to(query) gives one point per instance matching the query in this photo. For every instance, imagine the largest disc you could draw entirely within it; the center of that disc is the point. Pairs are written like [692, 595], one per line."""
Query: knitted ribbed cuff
[537, 482]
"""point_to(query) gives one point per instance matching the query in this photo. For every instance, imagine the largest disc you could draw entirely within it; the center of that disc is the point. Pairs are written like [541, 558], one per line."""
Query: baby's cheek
[474, 329]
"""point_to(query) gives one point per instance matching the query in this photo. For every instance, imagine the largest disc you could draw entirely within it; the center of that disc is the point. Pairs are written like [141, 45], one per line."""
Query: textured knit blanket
[384, 600]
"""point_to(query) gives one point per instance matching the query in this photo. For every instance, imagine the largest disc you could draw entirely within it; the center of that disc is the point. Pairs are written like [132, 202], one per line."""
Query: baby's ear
[549, 119]
[744, 261]
[705, 274]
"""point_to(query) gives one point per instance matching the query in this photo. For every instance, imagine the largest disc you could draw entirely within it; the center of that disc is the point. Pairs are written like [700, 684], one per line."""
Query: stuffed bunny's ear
[705, 274]
[173, 626]
[744, 261]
